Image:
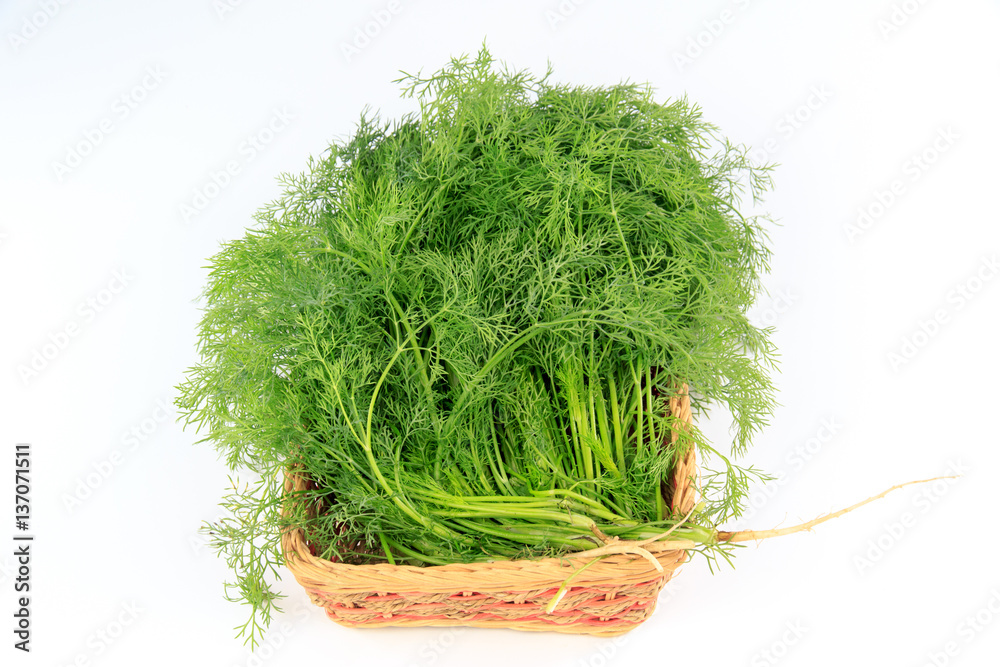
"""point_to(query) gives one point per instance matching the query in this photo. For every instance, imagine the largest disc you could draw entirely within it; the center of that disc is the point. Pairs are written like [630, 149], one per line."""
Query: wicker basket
[610, 597]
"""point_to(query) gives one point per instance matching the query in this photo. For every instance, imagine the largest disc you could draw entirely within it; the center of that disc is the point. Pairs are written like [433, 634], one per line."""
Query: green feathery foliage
[464, 328]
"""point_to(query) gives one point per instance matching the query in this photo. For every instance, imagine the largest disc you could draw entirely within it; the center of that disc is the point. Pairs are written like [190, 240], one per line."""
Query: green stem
[616, 423]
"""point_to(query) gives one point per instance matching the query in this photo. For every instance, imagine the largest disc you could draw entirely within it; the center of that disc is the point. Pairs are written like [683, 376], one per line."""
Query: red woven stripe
[343, 613]
[548, 619]
[431, 606]
[595, 592]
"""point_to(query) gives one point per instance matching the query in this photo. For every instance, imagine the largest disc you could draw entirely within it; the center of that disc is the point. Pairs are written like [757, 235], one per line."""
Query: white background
[849, 94]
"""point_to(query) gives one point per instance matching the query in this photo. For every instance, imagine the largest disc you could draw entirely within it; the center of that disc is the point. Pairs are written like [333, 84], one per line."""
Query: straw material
[610, 597]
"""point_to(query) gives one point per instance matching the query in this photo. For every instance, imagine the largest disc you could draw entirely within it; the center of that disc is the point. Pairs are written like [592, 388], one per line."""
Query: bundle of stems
[464, 329]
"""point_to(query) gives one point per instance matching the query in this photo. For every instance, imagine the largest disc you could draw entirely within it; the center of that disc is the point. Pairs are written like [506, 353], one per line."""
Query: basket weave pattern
[610, 597]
